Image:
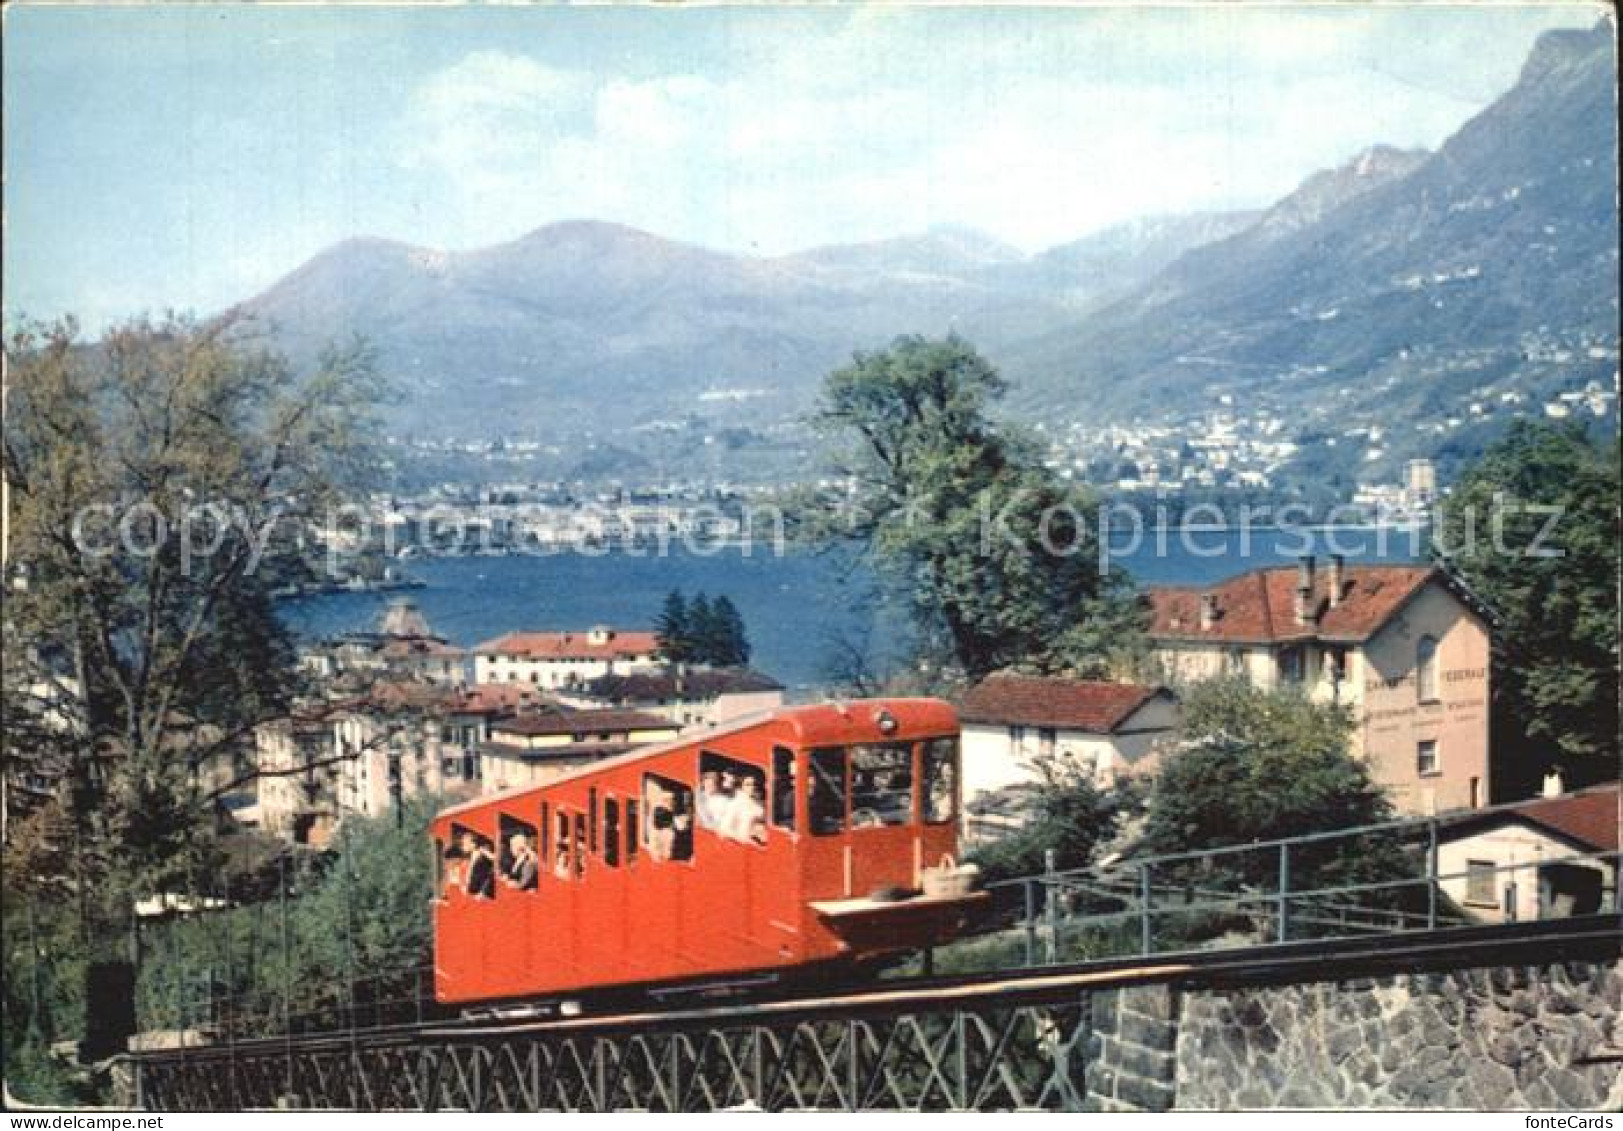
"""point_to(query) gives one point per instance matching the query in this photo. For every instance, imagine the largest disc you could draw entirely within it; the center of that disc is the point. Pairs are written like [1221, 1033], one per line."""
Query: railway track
[1592, 936]
[1015, 1039]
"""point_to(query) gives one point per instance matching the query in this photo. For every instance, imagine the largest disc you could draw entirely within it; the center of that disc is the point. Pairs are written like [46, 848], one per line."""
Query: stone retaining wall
[1519, 1037]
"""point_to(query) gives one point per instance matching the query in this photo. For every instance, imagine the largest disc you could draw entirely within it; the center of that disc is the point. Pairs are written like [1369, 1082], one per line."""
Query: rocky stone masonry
[1485, 1039]
[1130, 1063]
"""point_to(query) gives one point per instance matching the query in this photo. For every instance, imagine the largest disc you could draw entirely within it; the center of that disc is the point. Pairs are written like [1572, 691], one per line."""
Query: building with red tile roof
[1067, 704]
[1404, 647]
[1012, 723]
[1549, 857]
[563, 659]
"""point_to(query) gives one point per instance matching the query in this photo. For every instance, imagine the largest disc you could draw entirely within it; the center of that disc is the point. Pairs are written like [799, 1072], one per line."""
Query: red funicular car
[794, 841]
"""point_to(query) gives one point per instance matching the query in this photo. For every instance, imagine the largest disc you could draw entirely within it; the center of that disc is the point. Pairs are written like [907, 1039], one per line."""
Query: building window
[1290, 665]
[1045, 741]
[1479, 883]
[1426, 758]
[1425, 667]
[1017, 736]
[1476, 793]
[1234, 661]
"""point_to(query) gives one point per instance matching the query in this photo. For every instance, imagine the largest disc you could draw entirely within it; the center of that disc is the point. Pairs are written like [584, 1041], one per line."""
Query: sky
[187, 157]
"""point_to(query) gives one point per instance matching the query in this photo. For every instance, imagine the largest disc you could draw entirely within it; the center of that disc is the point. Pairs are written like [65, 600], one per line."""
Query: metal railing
[1369, 880]
[1374, 879]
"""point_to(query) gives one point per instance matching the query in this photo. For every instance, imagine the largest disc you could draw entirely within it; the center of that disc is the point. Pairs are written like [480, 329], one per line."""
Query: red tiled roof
[569, 751]
[584, 722]
[1261, 605]
[486, 698]
[570, 645]
[1064, 704]
[1591, 817]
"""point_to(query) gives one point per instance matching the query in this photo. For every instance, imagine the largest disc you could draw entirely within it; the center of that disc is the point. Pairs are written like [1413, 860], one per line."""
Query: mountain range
[1403, 285]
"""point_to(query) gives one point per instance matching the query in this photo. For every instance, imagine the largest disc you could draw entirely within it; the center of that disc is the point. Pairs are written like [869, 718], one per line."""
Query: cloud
[1037, 125]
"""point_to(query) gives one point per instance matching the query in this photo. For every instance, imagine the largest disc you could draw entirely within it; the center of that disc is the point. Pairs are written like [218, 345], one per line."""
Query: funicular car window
[578, 847]
[825, 805]
[518, 866]
[732, 798]
[667, 818]
[940, 780]
[546, 824]
[471, 863]
[881, 784]
[453, 861]
[563, 859]
[611, 832]
[783, 787]
[631, 830]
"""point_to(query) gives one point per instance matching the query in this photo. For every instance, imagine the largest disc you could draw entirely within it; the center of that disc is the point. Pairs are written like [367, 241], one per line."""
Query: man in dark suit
[481, 881]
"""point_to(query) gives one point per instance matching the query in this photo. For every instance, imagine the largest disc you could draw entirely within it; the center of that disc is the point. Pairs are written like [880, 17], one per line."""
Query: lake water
[796, 606]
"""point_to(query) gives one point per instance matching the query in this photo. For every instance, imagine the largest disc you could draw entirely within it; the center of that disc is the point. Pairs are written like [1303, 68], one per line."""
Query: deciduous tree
[1256, 765]
[160, 480]
[1533, 530]
[997, 558]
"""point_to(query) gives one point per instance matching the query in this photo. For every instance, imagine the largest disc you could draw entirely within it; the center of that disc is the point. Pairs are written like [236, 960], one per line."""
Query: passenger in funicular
[670, 820]
[523, 868]
[715, 795]
[662, 834]
[456, 867]
[745, 819]
[480, 876]
[732, 804]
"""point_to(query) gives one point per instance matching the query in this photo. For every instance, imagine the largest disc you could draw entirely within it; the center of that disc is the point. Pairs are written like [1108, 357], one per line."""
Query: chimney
[1553, 785]
[1208, 610]
[1304, 590]
[1338, 566]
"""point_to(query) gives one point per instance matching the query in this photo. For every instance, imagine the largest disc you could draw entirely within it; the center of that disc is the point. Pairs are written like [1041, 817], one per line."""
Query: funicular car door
[511, 952]
[605, 927]
[664, 887]
[466, 914]
[884, 834]
[745, 859]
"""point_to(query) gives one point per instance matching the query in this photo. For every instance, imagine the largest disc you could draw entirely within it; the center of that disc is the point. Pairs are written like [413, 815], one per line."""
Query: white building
[412, 739]
[536, 747]
[1011, 723]
[564, 659]
[1536, 860]
[693, 698]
